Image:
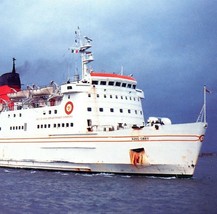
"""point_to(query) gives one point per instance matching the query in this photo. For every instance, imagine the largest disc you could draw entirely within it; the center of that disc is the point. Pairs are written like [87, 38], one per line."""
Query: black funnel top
[11, 79]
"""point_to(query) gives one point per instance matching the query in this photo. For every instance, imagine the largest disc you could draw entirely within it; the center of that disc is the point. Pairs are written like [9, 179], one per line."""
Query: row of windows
[112, 83]
[20, 115]
[129, 111]
[16, 127]
[55, 125]
[116, 96]
[15, 115]
[50, 112]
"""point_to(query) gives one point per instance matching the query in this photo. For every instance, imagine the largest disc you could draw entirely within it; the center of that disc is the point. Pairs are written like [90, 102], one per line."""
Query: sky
[170, 46]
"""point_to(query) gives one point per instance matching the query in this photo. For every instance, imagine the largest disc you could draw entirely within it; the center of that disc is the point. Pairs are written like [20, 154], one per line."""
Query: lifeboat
[43, 91]
[19, 95]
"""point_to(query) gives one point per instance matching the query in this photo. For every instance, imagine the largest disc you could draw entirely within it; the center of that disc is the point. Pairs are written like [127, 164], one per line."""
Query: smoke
[41, 72]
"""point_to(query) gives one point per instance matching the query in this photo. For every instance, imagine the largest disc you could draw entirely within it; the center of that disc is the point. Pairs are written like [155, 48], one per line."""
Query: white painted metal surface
[95, 124]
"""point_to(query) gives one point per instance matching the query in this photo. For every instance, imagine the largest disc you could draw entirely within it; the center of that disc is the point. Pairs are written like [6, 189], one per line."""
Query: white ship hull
[93, 124]
[170, 151]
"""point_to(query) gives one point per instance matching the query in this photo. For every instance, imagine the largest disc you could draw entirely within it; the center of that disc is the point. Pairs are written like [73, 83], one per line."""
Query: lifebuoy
[69, 107]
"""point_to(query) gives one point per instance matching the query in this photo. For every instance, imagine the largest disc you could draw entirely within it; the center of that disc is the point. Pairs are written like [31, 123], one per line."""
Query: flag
[75, 51]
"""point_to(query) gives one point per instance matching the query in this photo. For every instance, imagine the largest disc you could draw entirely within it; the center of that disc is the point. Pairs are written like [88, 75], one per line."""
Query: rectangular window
[89, 109]
[111, 83]
[101, 109]
[95, 82]
[124, 84]
[69, 87]
[102, 82]
[117, 84]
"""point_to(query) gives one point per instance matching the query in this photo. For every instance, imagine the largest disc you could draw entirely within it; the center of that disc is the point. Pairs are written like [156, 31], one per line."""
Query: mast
[202, 115]
[81, 46]
[204, 102]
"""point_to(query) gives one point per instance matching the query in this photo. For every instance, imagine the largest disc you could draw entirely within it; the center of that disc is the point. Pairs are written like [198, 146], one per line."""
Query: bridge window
[118, 84]
[124, 84]
[103, 83]
[95, 82]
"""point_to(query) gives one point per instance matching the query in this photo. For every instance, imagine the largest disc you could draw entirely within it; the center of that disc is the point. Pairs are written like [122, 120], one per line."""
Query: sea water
[33, 191]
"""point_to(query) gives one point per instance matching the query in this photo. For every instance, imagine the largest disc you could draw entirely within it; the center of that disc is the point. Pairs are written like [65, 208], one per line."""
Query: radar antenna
[81, 46]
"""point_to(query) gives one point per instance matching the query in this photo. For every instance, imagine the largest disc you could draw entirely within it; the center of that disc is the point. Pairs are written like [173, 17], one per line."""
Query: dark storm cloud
[169, 45]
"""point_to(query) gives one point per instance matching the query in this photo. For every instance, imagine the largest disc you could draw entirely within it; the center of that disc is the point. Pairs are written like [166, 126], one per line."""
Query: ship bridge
[116, 80]
[99, 78]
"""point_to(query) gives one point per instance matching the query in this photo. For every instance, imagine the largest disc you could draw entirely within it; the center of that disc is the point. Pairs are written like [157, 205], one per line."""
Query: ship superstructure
[92, 124]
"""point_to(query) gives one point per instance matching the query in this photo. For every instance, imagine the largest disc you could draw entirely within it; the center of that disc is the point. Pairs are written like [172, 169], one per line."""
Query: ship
[92, 124]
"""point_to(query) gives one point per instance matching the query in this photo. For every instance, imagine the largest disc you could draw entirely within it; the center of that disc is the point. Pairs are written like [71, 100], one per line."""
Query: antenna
[122, 70]
[81, 46]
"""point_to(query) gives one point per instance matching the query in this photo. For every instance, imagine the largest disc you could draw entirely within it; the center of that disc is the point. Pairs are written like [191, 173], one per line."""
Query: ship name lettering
[140, 138]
